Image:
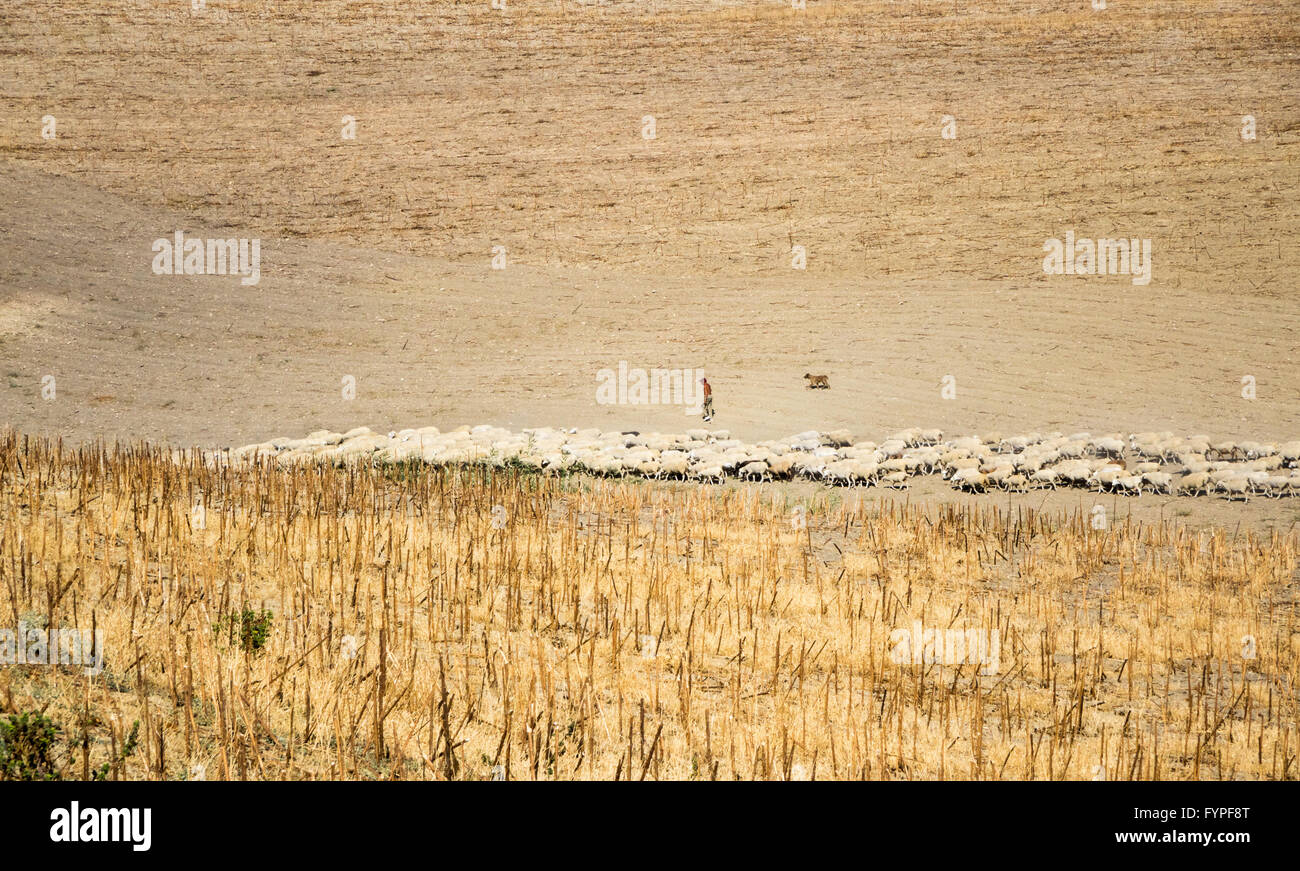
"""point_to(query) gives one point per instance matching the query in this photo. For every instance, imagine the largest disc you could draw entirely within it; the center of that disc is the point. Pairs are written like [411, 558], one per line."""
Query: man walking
[708, 399]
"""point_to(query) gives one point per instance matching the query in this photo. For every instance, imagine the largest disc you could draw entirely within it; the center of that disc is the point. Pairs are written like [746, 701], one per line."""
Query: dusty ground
[774, 127]
[204, 360]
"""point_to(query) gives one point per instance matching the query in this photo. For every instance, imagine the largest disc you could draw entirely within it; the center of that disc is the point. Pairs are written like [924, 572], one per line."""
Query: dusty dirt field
[774, 127]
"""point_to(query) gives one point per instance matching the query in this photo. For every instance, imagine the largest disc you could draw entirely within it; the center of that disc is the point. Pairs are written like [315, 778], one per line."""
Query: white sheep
[1235, 488]
[1160, 482]
[998, 476]
[1044, 478]
[1015, 483]
[893, 448]
[1107, 476]
[1278, 486]
[1130, 484]
[864, 472]
[1224, 449]
[970, 480]
[837, 438]
[839, 472]
[897, 480]
[781, 466]
[674, 467]
[1110, 447]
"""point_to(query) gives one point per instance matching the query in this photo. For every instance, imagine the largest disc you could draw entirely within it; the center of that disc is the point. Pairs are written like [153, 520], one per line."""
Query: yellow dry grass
[530, 627]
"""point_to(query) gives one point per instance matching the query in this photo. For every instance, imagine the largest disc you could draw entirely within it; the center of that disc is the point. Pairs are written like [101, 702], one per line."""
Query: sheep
[894, 447]
[1108, 447]
[1171, 450]
[956, 466]
[999, 475]
[1077, 474]
[600, 465]
[970, 480]
[908, 437]
[897, 480]
[1013, 445]
[864, 473]
[1278, 486]
[1107, 476]
[705, 457]
[1160, 482]
[649, 468]
[1257, 481]
[1044, 478]
[1030, 463]
[923, 460]
[1160, 462]
[1224, 449]
[781, 466]
[1138, 439]
[709, 473]
[1235, 488]
[1256, 450]
[555, 462]
[837, 438]
[732, 460]
[1072, 449]
[674, 467]
[1130, 484]
[839, 472]
[809, 467]
[255, 451]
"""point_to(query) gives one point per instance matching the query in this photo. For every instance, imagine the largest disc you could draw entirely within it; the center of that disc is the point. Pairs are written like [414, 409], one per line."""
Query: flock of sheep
[1136, 464]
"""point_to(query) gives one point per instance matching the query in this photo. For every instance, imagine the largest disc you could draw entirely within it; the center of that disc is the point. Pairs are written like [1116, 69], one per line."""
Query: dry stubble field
[421, 622]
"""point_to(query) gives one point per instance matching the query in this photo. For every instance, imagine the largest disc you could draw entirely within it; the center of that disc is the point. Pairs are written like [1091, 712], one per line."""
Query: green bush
[26, 745]
[250, 629]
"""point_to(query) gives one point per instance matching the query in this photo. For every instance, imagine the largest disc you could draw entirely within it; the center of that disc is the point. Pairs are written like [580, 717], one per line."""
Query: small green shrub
[128, 749]
[250, 629]
[26, 747]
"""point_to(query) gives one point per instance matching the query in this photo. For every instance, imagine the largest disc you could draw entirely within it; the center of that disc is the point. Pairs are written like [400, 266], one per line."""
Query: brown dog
[818, 381]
